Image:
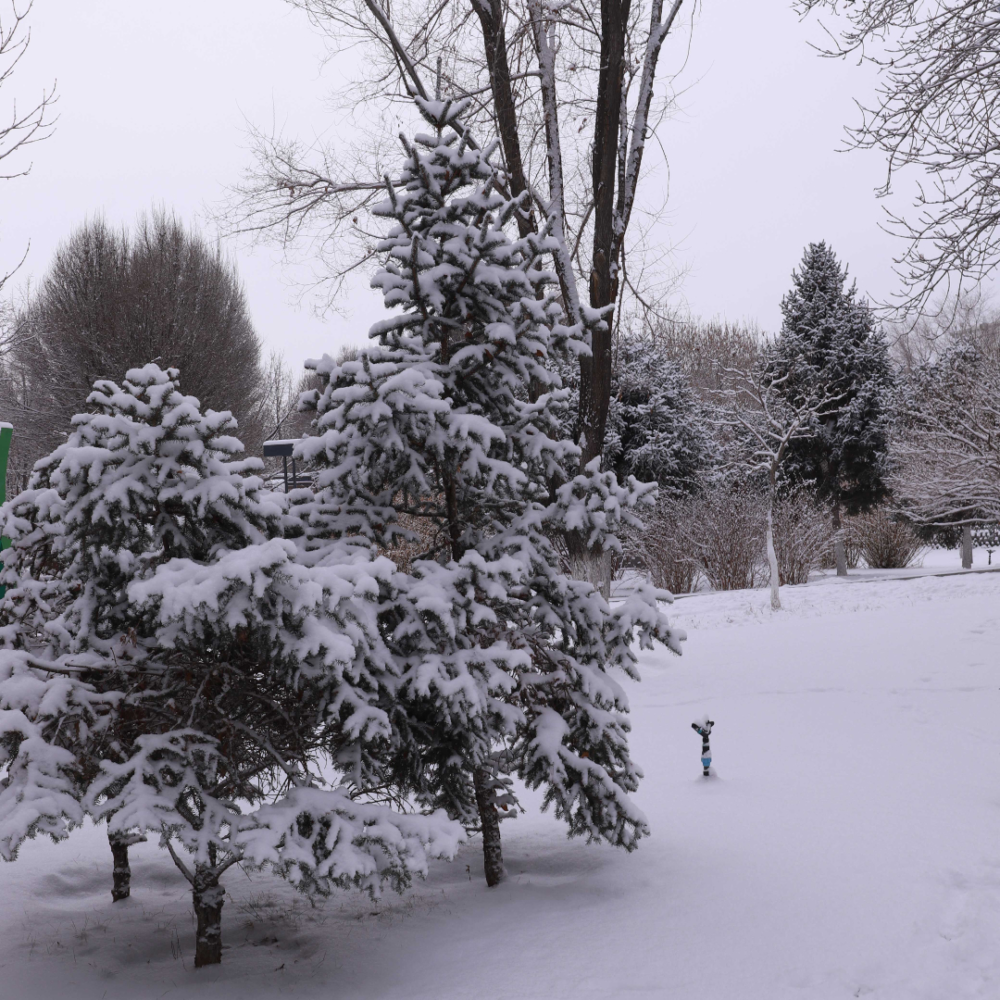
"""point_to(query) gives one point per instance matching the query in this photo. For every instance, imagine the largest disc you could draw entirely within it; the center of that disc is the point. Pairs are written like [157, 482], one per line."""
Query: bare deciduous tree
[756, 402]
[113, 301]
[936, 110]
[946, 444]
[19, 127]
[568, 89]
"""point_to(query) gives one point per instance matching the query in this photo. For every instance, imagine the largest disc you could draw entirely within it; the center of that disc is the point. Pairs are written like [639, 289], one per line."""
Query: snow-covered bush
[455, 417]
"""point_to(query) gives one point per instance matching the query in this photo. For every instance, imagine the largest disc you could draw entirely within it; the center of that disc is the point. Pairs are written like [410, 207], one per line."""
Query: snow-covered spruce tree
[143, 477]
[831, 346]
[269, 677]
[657, 430]
[506, 665]
[226, 672]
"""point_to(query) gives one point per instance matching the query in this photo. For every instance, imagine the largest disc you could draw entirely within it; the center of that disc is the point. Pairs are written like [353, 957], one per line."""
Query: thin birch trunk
[489, 821]
[556, 210]
[772, 559]
[966, 546]
[839, 553]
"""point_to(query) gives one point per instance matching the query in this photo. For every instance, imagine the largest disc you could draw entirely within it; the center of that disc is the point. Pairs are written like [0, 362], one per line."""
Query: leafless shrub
[726, 536]
[801, 536]
[705, 350]
[664, 548]
[885, 543]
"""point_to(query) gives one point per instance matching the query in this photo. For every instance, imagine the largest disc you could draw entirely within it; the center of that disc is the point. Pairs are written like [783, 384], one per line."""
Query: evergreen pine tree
[829, 345]
[148, 580]
[657, 430]
[143, 477]
[505, 664]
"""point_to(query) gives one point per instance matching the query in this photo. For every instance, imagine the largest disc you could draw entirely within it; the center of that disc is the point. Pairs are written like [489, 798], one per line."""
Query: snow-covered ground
[849, 846]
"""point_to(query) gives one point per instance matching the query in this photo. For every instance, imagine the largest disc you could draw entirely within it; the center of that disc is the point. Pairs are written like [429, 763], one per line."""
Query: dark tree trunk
[839, 553]
[208, 899]
[495, 44]
[595, 371]
[966, 547]
[121, 885]
[489, 820]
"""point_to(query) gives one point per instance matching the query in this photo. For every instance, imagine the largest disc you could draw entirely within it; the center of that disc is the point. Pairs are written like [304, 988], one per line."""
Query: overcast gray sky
[154, 99]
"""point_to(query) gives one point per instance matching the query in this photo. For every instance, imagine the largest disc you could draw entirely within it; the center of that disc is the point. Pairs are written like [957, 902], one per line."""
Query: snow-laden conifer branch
[457, 412]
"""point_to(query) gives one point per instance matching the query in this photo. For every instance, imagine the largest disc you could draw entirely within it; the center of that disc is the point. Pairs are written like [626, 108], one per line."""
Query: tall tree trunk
[595, 371]
[495, 45]
[772, 559]
[966, 546]
[121, 884]
[489, 821]
[592, 565]
[208, 898]
[839, 553]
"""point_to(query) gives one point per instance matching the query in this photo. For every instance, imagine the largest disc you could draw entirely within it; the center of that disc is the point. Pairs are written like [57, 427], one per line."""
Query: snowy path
[850, 846]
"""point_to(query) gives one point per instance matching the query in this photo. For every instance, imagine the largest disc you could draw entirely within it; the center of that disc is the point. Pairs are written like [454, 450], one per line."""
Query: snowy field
[849, 846]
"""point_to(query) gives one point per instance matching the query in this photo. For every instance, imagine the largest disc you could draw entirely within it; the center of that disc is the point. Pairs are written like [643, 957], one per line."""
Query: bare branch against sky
[21, 125]
[154, 114]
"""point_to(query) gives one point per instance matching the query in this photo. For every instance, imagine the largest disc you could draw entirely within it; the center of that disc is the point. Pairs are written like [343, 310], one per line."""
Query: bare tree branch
[936, 111]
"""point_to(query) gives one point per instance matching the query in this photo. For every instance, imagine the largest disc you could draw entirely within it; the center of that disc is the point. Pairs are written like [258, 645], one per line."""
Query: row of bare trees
[946, 442]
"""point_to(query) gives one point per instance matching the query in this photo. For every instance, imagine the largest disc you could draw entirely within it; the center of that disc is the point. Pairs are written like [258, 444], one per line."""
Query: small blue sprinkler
[704, 729]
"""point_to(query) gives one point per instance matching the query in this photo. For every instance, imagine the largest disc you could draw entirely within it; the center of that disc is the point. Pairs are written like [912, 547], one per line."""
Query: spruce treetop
[457, 395]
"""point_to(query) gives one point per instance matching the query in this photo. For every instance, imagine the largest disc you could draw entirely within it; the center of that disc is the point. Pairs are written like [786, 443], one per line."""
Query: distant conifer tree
[829, 344]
